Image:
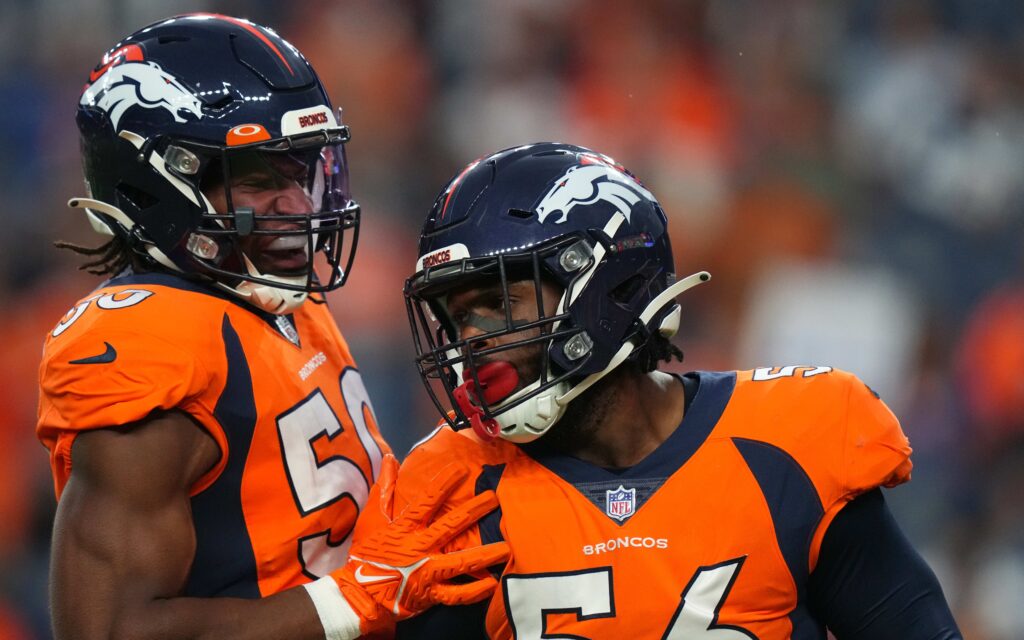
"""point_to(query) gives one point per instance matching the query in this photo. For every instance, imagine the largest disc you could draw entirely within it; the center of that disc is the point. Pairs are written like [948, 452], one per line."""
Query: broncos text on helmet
[187, 107]
[551, 214]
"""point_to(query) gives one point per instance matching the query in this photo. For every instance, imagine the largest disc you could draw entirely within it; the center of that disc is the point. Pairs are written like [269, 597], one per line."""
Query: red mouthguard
[497, 380]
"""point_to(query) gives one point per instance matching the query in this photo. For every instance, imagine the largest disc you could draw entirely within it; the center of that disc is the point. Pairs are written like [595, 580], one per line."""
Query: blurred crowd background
[852, 174]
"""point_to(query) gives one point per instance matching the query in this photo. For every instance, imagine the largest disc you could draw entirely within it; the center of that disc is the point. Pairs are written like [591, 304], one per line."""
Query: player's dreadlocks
[108, 259]
[114, 256]
[658, 349]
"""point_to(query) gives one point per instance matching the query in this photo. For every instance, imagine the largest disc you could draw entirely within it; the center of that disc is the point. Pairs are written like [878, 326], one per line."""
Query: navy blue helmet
[553, 213]
[191, 105]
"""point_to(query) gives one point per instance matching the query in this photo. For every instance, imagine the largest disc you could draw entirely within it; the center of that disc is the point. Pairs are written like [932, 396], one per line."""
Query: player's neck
[644, 411]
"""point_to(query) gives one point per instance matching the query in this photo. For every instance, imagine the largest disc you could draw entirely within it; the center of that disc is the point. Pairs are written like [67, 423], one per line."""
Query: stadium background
[852, 173]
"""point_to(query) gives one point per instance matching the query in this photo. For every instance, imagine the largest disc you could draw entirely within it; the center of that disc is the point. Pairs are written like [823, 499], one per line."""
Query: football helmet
[202, 103]
[547, 213]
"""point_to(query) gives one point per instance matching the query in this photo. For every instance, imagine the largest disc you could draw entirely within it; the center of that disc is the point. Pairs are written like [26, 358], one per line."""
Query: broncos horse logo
[142, 84]
[587, 184]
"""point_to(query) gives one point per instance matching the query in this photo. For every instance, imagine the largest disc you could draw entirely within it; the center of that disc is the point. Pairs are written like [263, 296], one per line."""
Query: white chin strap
[531, 419]
[271, 299]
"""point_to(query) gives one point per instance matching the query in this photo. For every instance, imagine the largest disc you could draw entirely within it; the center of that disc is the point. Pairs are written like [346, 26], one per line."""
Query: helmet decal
[142, 84]
[589, 183]
[131, 52]
[452, 252]
[308, 119]
[246, 134]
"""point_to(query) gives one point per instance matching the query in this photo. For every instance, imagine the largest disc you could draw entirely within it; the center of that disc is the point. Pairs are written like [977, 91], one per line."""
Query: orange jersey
[279, 394]
[712, 535]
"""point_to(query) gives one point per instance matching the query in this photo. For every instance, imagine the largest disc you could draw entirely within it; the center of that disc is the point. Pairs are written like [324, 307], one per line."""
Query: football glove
[396, 567]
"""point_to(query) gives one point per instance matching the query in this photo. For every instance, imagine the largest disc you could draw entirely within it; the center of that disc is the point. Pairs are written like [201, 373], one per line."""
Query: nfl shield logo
[620, 503]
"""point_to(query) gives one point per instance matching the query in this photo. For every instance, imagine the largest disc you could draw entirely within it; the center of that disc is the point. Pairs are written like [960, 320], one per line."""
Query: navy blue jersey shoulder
[174, 281]
[796, 511]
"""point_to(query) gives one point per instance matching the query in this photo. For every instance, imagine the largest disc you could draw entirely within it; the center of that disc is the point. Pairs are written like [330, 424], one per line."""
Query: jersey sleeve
[871, 584]
[875, 450]
[145, 375]
[116, 368]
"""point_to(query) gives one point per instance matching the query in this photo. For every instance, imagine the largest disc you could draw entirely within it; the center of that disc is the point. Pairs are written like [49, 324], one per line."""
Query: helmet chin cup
[270, 299]
[273, 300]
[521, 423]
[533, 417]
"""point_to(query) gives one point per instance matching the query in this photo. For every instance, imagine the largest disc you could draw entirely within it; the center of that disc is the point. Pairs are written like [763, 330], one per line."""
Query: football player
[720, 505]
[210, 437]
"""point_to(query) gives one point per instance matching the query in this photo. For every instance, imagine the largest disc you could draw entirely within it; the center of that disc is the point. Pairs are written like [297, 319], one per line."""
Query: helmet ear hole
[137, 198]
[626, 291]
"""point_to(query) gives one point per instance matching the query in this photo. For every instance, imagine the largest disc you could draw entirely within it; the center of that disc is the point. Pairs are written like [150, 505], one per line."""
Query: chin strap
[668, 328]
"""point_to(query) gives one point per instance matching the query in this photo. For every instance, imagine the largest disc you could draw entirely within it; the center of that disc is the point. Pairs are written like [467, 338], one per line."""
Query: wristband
[339, 620]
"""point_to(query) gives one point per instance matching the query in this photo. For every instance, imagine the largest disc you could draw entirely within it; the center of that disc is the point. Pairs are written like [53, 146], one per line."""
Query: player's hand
[396, 566]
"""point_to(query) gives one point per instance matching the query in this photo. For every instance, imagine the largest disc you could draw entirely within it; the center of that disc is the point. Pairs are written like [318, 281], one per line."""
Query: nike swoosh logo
[107, 356]
[364, 579]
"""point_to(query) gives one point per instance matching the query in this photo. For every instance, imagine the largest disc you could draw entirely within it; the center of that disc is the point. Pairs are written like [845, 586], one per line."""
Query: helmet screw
[575, 256]
[202, 246]
[182, 160]
[578, 346]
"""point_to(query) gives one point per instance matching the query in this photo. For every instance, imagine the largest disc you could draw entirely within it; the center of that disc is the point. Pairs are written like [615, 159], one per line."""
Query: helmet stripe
[251, 28]
[454, 185]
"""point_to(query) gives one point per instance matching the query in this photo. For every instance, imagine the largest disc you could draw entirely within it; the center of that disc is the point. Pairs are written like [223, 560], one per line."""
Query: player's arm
[124, 541]
[871, 584]
[124, 544]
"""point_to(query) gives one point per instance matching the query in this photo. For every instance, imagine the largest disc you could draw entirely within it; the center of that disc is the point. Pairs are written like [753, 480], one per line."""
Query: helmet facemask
[513, 322]
[270, 209]
[558, 213]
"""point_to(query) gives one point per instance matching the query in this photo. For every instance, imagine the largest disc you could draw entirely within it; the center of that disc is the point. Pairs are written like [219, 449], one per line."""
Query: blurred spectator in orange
[991, 365]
